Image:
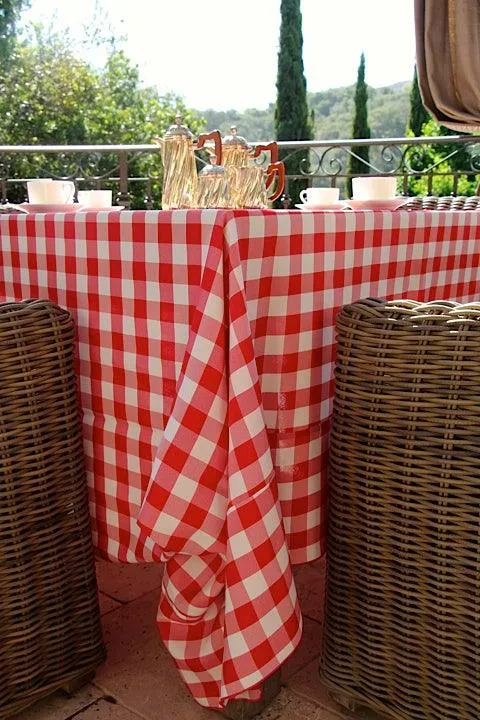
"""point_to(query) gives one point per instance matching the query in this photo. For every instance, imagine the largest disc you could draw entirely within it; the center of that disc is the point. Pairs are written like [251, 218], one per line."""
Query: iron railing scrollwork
[134, 172]
[326, 162]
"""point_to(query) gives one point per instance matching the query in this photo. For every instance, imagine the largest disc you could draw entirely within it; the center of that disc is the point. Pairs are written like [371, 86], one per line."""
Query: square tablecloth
[206, 350]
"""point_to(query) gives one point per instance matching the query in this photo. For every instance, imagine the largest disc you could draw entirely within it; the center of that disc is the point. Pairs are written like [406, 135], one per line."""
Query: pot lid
[234, 139]
[178, 129]
[212, 170]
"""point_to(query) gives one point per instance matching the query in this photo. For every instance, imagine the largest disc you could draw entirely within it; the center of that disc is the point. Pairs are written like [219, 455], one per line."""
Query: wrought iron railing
[326, 162]
[134, 172]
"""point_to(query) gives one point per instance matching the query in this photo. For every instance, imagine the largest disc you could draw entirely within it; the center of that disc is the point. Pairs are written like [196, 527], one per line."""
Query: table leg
[243, 709]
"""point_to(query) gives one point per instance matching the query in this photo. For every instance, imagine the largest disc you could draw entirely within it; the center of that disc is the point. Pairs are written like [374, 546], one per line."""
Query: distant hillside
[388, 109]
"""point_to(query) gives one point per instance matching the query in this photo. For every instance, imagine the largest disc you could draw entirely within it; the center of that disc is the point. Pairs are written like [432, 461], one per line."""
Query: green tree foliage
[418, 114]
[359, 165]
[50, 96]
[448, 160]
[387, 114]
[10, 11]
[458, 155]
[292, 114]
[253, 124]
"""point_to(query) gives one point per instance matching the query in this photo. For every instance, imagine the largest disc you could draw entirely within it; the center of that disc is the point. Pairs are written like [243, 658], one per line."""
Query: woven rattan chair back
[402, 629]
[50, 630]
[443, 203]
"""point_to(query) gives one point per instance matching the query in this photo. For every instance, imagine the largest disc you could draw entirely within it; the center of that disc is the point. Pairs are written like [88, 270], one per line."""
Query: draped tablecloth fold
[229, 613]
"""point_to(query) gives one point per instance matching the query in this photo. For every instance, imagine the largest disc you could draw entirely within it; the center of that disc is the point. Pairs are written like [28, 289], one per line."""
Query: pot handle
[275, 169]
[270, 147]
[217, 139]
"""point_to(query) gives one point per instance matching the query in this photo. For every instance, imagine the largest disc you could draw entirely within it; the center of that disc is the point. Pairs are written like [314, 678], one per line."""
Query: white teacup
[95, 198]
[374, 188]
[50, 192]
[320, 196]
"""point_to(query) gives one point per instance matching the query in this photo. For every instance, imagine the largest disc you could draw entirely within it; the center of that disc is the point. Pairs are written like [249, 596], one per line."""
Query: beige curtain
[448, 60]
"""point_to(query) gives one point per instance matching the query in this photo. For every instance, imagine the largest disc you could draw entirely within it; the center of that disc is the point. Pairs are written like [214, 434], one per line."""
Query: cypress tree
[292, 116]
[418, 115]
[360, 129]
[462, 159]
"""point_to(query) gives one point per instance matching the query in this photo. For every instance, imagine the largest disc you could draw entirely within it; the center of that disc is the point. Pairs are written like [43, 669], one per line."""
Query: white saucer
[50, 207]
[310, 207]
[390, 204]
[109, 208]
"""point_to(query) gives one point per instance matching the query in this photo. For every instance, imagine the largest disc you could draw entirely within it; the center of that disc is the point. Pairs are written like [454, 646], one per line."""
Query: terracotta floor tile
[307, 683]
[139, 672]
[310, 584]
[309, 648]
[365, 714]
[288, 706]
[142, 677]
[60, 707]
[105, 710]
[107, 603]
[126, 582]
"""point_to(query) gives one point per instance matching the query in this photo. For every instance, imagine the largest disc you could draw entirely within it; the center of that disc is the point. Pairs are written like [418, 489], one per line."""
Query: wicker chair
[443, 203]
[402, 628]
[50, 633]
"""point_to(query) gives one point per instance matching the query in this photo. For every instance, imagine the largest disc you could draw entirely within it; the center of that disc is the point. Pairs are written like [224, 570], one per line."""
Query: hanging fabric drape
[448, 60]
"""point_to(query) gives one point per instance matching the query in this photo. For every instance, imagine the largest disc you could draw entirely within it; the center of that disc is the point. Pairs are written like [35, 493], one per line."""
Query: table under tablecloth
[206, 349]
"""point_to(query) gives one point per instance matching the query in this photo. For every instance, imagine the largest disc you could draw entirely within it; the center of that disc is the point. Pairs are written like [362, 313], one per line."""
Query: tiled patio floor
[139, 679]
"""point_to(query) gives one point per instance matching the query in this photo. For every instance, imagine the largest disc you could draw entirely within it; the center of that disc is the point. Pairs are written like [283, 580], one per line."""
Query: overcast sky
[223, 54]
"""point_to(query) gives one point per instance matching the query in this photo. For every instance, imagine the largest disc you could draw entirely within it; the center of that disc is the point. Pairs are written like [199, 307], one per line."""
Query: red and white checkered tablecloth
[206, 347]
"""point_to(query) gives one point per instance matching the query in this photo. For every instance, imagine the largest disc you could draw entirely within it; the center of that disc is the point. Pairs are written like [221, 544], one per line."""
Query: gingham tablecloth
[206, 347]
